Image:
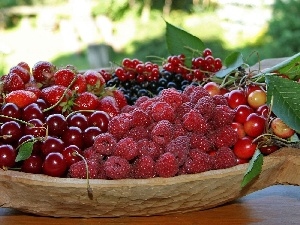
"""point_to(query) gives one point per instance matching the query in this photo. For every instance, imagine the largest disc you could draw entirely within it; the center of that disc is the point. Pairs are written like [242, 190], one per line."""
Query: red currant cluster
[137, 70]
[202, 66]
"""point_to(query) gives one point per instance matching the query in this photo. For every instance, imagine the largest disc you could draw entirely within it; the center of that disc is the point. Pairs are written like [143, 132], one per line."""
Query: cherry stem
[18, 120]
[89, 189]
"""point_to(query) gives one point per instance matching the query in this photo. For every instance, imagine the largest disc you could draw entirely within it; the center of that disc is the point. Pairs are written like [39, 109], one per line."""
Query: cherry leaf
[25, 151]
[289, 67]
[254, 168]
[182, 42]
[283, 94]
[231, 62]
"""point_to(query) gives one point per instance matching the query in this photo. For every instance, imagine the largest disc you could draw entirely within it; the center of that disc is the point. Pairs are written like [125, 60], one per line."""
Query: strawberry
[24, 65]
[118, 96]
[85, 101]
[21, 98]
[80, 84]
[23, 73]
[43, 72]
[13, 82]
[95, 82]
[52, 95]
[64, 77]
[109, 105]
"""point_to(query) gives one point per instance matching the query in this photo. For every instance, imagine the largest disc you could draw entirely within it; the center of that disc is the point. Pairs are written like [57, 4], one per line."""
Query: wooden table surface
[274, 205]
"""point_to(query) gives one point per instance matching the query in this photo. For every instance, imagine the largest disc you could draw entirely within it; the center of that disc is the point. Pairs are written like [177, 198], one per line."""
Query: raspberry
[222, 115]
[162, 111]
[198, 93]
[138, 133]
[90, 153]
[127, 109]
[183, 109]
[166, 165]
[147, 105]
[224, 158]
[205, 106]
[149, 148]
[140, 118]
[179, 130]
[198, 161]
[194, 121]
[200, 142]
[140, 100]
[189, 90]
[143, 167]
[119, 125]
[116, 167]
[224, 137]
[180, 148]
[104, 143]
[78, 169]
[220, 100]
[126, 148]
[171, 96]
[162, 132]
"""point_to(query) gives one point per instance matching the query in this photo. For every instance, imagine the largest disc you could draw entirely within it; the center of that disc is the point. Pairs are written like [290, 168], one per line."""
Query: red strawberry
[86, 101]
[23, 73]
[109, 105]
[13, 82]
[64, 77]
[118, 95]
[95, 82]
[21, 98]
[80, 84]
[24, 65]
[52, 95]
[43, 72]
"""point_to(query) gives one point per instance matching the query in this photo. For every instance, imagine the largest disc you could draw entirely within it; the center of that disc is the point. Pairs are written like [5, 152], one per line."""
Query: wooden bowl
[68, 197]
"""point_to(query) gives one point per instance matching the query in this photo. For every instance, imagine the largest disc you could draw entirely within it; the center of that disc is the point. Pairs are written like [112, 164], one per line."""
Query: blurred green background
[65, 31]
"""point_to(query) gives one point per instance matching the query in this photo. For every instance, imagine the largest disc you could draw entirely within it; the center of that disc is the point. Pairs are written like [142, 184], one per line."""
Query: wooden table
[274, 205]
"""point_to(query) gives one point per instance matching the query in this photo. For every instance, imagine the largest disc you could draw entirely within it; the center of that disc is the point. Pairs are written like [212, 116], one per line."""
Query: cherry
[56, 124]
[239, 129]
[54, 165]
[250, 88]
[32, 111]
[52, 144]
[73, 136]
[263, 110]
[32, 165]
[242, 161]
[7, 156]
[241, 113]
[280, 129]
[255, 125]
[244, 148]
[69, 156]
[35, 127]
[89, 135]
[99, 119]
[78, 120]
[257, 98]
[10, 110]
[236, 98]
[10, 131]
[268, 149]
[212, 88]
[36, 146]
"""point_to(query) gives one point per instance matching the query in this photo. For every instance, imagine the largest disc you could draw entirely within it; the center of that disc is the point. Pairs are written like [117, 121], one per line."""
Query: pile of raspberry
[171, 134]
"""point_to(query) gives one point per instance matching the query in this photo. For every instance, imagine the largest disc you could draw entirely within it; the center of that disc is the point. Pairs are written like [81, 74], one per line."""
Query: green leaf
[254, 168]
[284, 95]
[25, 151]
[289, 67]
[232, 62]
[182, 42]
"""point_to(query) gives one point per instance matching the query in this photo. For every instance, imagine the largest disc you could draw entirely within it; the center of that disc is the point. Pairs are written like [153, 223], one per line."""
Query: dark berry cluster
[136, 78]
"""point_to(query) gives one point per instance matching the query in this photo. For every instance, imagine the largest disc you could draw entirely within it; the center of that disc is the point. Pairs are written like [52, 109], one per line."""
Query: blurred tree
[283, 36]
